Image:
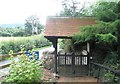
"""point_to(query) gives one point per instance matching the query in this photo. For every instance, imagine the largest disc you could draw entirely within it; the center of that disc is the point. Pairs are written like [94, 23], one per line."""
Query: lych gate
[62, 28]
[72, 64]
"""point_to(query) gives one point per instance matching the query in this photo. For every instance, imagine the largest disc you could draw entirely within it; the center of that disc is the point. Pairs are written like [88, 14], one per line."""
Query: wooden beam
[55, 46]
[59, 37]
[54, 40]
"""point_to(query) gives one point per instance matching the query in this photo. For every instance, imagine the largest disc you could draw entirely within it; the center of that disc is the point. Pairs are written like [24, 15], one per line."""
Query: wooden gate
[72, 64]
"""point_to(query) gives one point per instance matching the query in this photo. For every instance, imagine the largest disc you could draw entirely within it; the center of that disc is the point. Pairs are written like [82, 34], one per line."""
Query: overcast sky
[16, 11]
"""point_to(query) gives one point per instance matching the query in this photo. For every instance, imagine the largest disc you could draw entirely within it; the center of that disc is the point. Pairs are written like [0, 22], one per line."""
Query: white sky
[16, 11]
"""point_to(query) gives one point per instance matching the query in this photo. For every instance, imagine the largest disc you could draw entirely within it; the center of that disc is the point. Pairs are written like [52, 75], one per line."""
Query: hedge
[15, 43]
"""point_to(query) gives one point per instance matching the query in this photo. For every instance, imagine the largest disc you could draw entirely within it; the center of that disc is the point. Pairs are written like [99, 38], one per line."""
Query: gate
[73, 64]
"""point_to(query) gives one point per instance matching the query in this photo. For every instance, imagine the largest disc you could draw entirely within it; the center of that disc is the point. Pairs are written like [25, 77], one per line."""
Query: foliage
[108, 38]
[33, 26]
[12, 32]
[104, 32]
[107, 16]
[111, 61]
[105, 11]
[24, 71]
[104, 37]
[28, 29]
[14, 43]
[73, 8]
[66, 45]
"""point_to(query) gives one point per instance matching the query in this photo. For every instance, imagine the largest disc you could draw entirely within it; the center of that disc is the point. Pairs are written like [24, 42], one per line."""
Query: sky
[16, 11]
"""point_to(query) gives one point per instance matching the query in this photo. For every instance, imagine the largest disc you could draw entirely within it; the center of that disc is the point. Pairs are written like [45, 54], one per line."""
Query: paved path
[5, 71]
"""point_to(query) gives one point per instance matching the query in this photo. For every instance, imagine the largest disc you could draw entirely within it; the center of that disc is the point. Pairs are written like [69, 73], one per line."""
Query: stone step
[77, 80]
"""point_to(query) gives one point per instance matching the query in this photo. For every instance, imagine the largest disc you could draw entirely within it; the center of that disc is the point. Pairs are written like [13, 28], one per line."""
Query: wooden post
[88, 58]
[54, 41]
[88, 47]
[55, 46]
[73, 63]
[98, 75]
[58, 59]
[65, 58]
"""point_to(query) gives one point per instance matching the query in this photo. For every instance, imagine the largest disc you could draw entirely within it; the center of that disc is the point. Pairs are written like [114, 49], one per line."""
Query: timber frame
[54, 40]
[63, 28]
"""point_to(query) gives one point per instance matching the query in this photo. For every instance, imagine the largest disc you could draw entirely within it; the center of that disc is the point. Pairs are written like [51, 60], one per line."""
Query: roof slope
[66, 26]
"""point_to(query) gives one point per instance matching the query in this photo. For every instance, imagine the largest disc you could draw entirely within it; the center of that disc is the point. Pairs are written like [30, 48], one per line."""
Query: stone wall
[48, 60]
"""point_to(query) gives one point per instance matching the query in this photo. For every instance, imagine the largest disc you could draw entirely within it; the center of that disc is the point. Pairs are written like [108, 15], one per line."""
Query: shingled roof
[66, 26]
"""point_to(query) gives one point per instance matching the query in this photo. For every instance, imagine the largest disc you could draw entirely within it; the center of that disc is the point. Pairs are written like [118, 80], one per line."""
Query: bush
[24, 70]
[66, 45]
[28, 42]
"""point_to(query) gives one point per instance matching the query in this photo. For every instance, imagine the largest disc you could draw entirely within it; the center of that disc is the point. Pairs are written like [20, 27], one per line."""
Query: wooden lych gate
[63, 28]
[70, 64]
[73, 64]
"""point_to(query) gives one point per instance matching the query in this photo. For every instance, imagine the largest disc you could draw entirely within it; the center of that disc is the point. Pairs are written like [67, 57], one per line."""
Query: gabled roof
[66, 26]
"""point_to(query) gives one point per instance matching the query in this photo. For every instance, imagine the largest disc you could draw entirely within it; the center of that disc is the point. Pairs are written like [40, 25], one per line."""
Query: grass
[2, 39]
[37, 49]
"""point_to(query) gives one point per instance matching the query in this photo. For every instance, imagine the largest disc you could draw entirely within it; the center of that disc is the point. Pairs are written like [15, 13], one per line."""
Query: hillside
[11, 25]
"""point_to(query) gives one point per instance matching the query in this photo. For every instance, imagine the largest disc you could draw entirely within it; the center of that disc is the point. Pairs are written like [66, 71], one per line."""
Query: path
[5, 71]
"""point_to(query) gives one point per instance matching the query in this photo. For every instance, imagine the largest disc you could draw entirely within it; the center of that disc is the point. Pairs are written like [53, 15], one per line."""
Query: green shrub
[107, 16]
[24, 71]
[66, 45]
[107, 38]
[28, 42]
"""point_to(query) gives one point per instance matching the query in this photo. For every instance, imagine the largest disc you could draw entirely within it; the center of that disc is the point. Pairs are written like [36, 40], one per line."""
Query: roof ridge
[70, 17]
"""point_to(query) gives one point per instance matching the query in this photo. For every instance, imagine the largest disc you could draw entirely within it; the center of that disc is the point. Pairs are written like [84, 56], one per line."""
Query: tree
[105, 11]
[32, 25]
[72, 8]
[104, 36]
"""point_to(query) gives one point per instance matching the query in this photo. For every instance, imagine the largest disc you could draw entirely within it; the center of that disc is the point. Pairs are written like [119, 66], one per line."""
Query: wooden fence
[73, 64]
[72, 59]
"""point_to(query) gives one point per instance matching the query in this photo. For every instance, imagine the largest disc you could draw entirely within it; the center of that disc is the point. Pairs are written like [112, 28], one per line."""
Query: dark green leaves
[96, 33]
[106, 38]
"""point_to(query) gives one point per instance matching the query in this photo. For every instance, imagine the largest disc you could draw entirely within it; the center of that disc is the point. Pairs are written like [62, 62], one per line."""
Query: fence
[102, 69]
[73, 64]
[72, 59]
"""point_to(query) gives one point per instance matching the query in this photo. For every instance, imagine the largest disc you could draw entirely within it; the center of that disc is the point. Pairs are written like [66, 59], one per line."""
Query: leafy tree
[18, 31]
[105, 11]
[32, 25]
[107, 31]
[28, 28]
[72, 8]
[104, 37]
